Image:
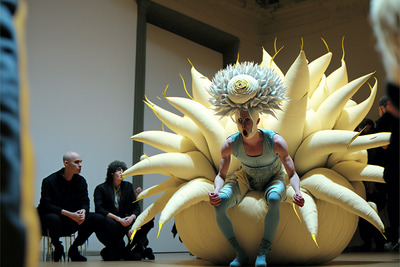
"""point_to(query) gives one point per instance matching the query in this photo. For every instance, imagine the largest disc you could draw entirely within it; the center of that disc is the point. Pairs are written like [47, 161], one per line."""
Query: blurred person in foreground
[385, 22]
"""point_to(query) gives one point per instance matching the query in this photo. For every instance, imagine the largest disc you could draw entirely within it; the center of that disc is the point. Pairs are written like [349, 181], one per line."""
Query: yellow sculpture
[330, 158]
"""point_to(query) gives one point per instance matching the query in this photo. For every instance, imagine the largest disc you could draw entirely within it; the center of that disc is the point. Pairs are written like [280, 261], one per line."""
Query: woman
[115, 199]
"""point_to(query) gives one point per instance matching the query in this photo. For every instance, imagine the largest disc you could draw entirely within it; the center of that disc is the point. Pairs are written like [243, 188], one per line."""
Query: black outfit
[391, 176]
[114, 232]
[389, 159]
[383, 124]
[58, 194]
[104, 199]
[368, 232]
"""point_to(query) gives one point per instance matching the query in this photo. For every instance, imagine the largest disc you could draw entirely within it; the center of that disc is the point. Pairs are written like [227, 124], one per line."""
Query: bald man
[64, 207]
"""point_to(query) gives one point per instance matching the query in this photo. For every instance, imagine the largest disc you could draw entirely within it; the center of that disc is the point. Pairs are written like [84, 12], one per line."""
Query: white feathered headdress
[246, 86]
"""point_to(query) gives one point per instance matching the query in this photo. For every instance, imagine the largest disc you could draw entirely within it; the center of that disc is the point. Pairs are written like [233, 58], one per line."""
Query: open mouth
[245, 133]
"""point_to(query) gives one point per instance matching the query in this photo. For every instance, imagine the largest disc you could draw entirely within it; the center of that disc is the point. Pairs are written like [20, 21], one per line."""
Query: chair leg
[49, 256]
[85, 247]
[66, 245]
[43, 247]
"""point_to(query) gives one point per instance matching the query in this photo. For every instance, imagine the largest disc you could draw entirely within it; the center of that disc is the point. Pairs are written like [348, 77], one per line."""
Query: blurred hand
[79, 216]
[138, 190]
[298, 199]
[215, 199]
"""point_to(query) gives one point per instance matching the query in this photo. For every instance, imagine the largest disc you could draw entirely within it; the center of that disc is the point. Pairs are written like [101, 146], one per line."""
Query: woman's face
[245, 124]
[117, 176]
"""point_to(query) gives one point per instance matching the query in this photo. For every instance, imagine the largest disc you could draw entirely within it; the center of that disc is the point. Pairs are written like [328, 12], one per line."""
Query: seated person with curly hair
[116, 200]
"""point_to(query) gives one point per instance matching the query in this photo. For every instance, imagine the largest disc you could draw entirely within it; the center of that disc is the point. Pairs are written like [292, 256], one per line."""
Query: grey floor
[349, 259]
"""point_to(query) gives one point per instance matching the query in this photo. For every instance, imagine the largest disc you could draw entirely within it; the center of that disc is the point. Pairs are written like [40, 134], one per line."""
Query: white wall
[81, 57]
[166, 58]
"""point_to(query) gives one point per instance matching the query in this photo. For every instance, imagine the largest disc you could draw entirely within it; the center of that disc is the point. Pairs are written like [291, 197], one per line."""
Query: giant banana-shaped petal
[200, 86]
[317, 69]
[330, 109]
[312, 123]
[359, 189]
[350, 103]
[358, 156]
[355, 171]
[187, 195]
[315, 149]
[309, 211]
[183, 126]
[337, 79]
[350, 117]
[292, 116]
[321, 93]
[267, 61]
[167, 185]
[183, 165]
[330, 186]
[152, 210]
[204, 119]
[165, 141]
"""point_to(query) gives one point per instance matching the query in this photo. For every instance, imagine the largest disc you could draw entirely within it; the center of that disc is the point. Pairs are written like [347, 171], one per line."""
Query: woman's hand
[298, 199]
[215, 199]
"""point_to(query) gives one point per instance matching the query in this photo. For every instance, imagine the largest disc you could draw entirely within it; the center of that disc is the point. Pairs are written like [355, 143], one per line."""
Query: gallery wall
[81, 69]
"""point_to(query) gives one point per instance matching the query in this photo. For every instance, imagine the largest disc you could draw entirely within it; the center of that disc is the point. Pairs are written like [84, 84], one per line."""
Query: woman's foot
[265, 247]
[238, 262]
[58, 252]
[241, 256]
[74, 254]
[148, 254]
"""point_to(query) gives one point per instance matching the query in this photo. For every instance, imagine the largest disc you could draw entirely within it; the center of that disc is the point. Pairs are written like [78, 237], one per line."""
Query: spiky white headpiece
[246, 86]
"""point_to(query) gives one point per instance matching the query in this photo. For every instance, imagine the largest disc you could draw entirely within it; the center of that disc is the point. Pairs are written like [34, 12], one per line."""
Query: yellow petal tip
[132, 235]
[160, 225]
[137, 200]
[315, 239]
[190, 62]
[295, 211]
[383, 233]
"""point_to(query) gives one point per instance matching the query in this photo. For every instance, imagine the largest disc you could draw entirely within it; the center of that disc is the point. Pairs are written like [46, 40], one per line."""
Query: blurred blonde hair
[385, 22]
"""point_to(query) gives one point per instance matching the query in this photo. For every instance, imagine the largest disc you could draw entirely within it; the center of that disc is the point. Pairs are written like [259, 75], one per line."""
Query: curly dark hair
[113, 167]
[383, 101]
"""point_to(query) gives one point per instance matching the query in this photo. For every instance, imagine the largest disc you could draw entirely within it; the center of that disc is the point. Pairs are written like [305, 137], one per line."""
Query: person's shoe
[148, 253]
[58, 253]
[144, 242]
[241, 256]
[107, 255]
[237, 262]
[395, 248]
[261, 260]
[74, 255]
[388, 246]
[135, 254]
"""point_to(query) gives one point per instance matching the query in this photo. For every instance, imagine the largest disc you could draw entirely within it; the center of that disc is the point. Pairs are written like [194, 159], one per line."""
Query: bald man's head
[72, 163]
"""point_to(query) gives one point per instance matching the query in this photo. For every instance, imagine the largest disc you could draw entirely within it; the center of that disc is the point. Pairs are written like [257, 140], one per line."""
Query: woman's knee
[52, 218]
[223, 204]
[110, 224]
[51, 222]
[273, 199]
